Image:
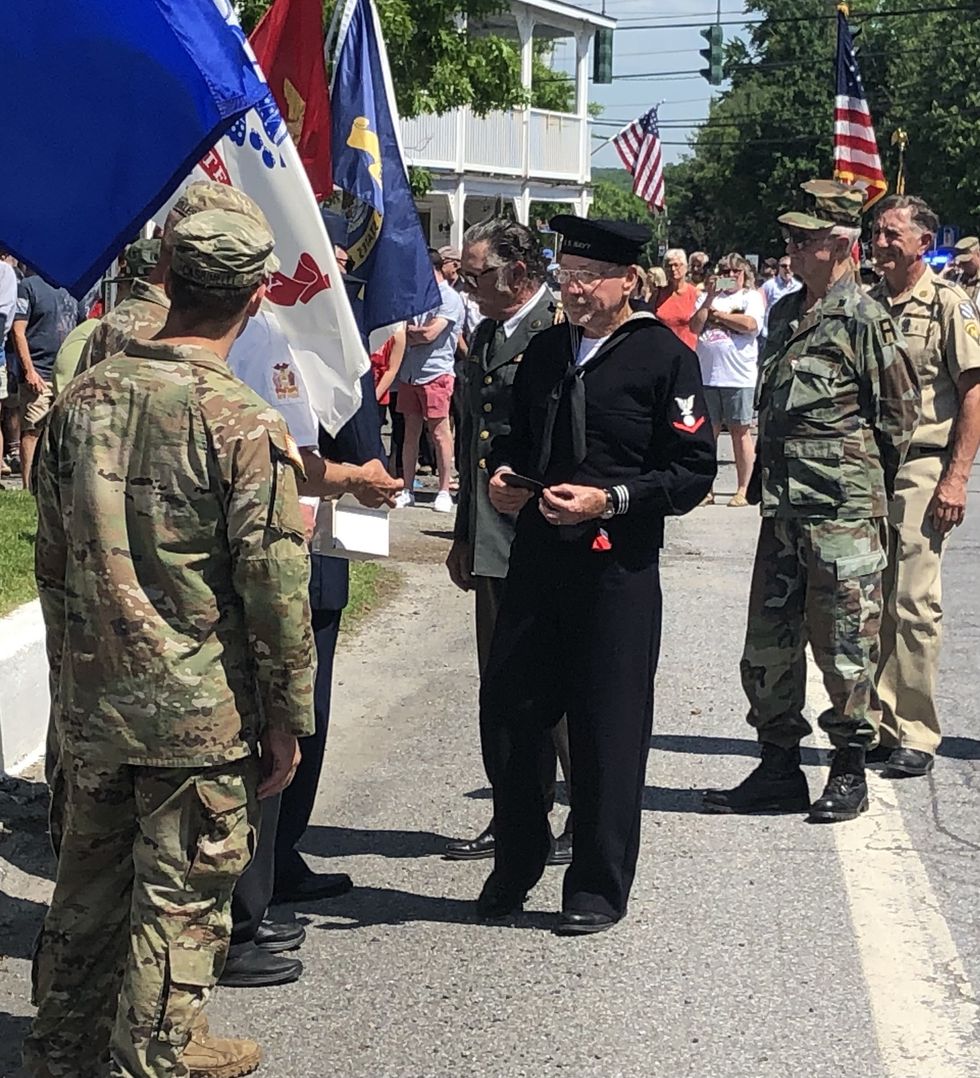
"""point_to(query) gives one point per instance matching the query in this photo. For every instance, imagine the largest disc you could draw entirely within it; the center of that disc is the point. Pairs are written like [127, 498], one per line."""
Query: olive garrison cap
[222, 249]
[835, 203]
[140, 257]
[966, 248]
[619, 242]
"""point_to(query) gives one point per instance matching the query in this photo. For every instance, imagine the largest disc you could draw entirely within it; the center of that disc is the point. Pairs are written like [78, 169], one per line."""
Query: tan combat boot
[219, 1057]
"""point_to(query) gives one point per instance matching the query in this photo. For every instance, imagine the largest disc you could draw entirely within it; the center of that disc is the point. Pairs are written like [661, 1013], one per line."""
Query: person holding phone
[608, 416]
[727, 320]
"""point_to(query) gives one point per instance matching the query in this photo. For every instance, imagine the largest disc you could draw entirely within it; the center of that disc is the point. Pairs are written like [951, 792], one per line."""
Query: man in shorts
[727, 320]
[425, 387]
[44, 317]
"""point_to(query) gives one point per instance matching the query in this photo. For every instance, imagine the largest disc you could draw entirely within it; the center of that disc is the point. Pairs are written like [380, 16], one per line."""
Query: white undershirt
[515, 319]
[587, 348]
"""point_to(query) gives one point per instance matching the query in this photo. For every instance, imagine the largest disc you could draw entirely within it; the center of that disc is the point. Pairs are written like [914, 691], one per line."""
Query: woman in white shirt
[727, 321]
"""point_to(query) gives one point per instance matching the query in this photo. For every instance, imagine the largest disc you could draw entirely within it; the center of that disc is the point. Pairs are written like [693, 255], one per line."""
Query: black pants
[253, 892]
[489, 593]
[578, 635]
[299, 796]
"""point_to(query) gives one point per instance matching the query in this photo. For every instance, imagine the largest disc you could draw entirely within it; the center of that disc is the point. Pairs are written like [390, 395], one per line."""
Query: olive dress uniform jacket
[632, 417]
[488, 378]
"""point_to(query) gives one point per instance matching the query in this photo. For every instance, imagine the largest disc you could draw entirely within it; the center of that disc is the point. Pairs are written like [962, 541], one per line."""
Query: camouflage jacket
[171, 563]
[838, 402]
[140, 316]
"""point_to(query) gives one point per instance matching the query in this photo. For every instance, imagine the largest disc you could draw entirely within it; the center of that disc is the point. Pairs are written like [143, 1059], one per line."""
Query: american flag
[638, 146]
[856, 158]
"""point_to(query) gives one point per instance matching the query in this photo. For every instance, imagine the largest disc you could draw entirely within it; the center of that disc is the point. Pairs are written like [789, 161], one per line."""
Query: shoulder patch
[886, 327]
[968, 311]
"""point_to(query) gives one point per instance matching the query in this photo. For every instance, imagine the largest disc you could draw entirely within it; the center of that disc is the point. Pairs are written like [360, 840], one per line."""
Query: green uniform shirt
[171, 563]
[838, 402]
[140, 316]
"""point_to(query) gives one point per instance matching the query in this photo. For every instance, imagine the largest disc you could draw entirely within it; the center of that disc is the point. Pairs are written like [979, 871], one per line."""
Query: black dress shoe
[472, 849]
[561, 850]
[910, 762]
[880, 754]
[500, 898]
[253, 967]
[274, 936]
[313, 887]
[574, 923]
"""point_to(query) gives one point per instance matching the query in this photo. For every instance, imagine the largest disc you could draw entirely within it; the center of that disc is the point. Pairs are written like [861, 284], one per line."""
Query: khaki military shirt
[837, 402]
[941, 329]
[140, 316]
[171, 563]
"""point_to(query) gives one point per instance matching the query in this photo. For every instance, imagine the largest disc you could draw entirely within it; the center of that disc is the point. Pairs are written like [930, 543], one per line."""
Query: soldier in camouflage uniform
[173, 574]
[967, 261]
[142, 314]
[838, 403]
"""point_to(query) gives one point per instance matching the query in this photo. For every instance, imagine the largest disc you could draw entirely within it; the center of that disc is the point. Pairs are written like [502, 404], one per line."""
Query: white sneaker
[443, 502]
[403, 499]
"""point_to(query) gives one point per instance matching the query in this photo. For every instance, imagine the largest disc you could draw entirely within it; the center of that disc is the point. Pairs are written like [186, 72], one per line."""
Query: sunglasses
[472, 280]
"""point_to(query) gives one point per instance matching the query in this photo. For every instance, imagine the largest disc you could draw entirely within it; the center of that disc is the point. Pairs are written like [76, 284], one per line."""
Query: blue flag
[386, 245]
[114, 103]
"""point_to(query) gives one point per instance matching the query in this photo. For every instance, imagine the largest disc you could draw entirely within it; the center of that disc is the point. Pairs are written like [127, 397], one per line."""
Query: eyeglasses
[800, 239]
[583, 277]
[472, 280]
[785, 265]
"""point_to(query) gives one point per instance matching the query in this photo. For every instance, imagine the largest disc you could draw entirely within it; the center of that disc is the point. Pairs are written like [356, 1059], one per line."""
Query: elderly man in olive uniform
[837, 404]
[173, 575]
[505, 270]
[941, 327]
[967, 260]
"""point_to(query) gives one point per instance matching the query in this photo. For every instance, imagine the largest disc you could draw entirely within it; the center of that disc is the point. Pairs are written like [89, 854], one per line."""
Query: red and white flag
[638, 146]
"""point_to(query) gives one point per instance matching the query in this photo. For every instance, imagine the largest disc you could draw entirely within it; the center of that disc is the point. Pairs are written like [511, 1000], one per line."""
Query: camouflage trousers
[138, 928]
[816, 582]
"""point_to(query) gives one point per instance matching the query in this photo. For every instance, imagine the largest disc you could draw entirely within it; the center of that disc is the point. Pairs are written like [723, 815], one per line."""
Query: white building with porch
[522, 155]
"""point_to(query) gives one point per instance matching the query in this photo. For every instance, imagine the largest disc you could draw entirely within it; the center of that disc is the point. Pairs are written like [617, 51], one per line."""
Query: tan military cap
[835, 203]
[966, 248]
[208, 195]
[223, 249]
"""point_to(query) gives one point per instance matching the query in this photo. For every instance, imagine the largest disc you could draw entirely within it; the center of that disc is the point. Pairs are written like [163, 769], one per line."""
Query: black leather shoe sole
[764, 808]
[467, 852]
[279, 971]
[583, 924]
[827, 814]
[920, 764]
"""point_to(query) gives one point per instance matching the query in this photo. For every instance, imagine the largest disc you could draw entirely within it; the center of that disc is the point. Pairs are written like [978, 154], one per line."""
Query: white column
[457, 207]
[525, 30]
[582, 40]
[522, 205]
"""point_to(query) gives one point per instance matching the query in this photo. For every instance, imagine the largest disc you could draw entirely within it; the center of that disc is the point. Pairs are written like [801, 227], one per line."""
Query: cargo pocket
[813, 472]
[858, 565]
[857, 611]
[189, 974]
[812, 388]
[223, 845]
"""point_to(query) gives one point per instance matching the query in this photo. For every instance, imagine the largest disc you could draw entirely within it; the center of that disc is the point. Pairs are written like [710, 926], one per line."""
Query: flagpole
[900, 139]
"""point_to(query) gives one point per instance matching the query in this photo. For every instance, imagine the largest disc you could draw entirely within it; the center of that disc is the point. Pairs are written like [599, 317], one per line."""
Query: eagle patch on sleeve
[688, 422]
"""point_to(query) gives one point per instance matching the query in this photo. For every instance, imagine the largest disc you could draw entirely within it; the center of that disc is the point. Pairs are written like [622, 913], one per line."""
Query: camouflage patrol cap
[140, 258]
[966, 248]
[835, 203]
[209, 195]
[222, 249]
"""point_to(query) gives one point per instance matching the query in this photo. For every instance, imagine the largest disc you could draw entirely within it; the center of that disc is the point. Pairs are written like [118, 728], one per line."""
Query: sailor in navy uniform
[609, 416]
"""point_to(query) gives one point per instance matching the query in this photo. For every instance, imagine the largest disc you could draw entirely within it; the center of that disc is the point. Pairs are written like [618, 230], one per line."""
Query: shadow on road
[13, 1029]
[732, 746]
[24, 824]
[355, 842]
[960, 748]
[368, 906]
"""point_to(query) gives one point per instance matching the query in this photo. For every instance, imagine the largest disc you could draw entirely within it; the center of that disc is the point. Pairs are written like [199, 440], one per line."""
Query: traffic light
[602, 56]
[712, 34]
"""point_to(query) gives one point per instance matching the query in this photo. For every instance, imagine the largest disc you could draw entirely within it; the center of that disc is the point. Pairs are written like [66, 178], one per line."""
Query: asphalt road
[754, 948]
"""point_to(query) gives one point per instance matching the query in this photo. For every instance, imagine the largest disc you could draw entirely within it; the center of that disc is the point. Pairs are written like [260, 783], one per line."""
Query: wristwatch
[610, 511]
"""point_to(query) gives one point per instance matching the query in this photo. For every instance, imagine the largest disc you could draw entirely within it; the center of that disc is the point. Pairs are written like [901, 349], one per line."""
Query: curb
[24, 698]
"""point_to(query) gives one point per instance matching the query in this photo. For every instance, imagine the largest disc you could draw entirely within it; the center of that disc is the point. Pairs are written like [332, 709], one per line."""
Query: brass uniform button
[488, 407]
[484, 435]
[488, 381]
[482, 463]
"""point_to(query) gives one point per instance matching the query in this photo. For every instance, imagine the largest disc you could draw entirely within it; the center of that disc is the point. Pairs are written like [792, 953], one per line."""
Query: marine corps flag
[289, 45]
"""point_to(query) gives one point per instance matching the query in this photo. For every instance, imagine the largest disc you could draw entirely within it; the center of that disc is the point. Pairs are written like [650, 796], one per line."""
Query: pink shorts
[430, 400]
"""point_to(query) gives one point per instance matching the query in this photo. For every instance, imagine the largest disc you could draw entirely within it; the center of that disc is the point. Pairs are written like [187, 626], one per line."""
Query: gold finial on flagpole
[900, 138]
[844, 10]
